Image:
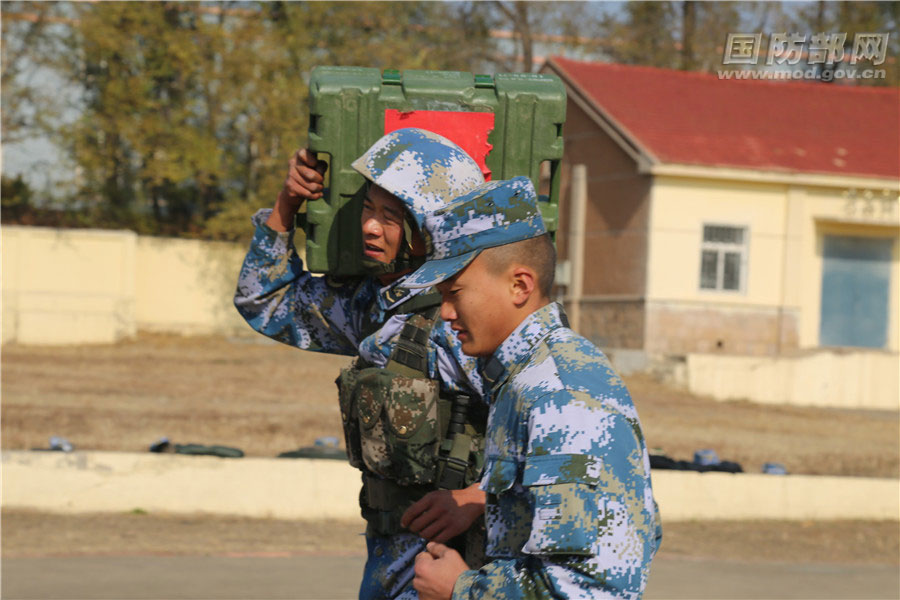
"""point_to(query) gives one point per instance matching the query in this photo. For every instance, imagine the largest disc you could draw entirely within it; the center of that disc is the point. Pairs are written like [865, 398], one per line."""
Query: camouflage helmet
[423, 169]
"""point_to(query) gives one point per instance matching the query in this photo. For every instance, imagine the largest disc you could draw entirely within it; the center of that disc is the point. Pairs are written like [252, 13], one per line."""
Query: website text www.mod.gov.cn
[803, 74]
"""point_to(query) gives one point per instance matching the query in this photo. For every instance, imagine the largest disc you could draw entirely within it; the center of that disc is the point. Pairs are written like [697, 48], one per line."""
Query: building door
[856, 287]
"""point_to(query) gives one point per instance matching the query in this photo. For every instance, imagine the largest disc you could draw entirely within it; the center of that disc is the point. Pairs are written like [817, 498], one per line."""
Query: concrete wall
[617, 209]
[682, 317]
[842, 212]
[643, 235]
[779, 306]
[719, 496]
[612, 323]
[859, 379]
[76, 286]
[68, 286]
[615, 230]
[187, 286]
[677, 327]
[118, 482]
[320, 489]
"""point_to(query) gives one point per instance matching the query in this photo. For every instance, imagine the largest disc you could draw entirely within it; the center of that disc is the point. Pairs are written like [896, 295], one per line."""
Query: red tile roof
[696, 118]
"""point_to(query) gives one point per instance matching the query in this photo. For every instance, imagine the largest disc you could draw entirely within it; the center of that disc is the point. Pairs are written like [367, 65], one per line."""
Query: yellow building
[728, 217]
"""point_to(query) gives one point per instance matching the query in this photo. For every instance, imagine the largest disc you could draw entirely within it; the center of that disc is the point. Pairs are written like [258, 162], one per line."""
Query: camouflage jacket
[570, 510]
[280, 299]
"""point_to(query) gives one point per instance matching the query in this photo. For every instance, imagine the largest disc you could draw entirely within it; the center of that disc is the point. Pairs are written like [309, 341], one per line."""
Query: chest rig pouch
[399, 429]
[391, 415]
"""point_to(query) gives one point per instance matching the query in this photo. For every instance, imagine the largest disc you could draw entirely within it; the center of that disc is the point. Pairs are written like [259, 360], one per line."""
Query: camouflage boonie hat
[493, 214]
[425, 170]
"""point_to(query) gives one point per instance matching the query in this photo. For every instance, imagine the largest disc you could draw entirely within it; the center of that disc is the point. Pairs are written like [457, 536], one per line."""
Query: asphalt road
[337, 577]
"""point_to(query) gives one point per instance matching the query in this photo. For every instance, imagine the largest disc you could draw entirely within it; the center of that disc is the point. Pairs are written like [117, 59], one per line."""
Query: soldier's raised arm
[275, 294]
[304, 181]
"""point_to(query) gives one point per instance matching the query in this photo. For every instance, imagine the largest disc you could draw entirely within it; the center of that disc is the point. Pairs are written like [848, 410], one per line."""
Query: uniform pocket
[372, 436]
[398, 419]
[499, 474]
[411, 411]
[507, 512]
[346, 383]
[566, 506]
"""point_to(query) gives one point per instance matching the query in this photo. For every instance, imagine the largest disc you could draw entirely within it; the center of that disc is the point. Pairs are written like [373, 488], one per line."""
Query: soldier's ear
[523, 283]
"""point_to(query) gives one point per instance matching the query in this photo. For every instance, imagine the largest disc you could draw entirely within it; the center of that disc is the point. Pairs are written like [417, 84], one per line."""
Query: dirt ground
[33, 534]
[266, 398]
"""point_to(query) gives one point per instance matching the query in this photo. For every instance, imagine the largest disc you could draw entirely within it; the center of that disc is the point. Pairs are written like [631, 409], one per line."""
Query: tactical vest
[406, 435]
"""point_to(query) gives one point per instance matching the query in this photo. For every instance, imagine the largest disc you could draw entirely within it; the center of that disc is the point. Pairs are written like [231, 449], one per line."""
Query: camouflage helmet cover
[423, 169]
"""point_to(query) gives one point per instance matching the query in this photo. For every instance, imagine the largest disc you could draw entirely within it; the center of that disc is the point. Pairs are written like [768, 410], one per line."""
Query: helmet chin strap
[375, 267]
[398, 265]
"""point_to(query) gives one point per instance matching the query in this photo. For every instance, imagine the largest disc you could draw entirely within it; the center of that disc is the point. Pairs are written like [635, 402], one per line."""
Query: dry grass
[844, 542]
[815, 441]
[31, 534]
[266, 398]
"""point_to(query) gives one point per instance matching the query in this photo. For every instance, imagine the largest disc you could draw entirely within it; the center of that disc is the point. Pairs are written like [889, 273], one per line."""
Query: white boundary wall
[84, 286]
[187, 286]
[320, 489]
[858, 379]
[67, 286]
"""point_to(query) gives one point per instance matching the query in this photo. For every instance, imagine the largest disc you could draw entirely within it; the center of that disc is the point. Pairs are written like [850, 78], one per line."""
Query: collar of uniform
[394, 293]
[519, 344]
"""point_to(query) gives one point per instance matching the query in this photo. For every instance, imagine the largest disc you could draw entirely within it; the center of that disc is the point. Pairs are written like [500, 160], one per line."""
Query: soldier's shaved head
[537, 253]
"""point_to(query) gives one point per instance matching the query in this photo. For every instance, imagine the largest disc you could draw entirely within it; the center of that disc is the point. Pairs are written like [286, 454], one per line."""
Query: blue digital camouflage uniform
[280, 299]
[570, 510]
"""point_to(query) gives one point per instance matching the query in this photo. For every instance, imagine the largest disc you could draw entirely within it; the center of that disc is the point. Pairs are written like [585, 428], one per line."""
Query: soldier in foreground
[410, 377]
[570, 509]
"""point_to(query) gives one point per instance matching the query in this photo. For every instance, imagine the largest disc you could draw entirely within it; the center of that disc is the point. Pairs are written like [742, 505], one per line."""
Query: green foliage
[691, 35]
[643, 36]
[21, 40]
[188, 112]
[21, 206]
[178, 115]
[15, 198]
[679, 35]
[535, 22]
[853, 18]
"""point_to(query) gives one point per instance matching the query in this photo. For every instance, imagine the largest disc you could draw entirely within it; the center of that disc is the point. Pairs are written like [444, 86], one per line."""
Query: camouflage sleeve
[532, 578]
[457, 371]
[281, 300]
[589, 530]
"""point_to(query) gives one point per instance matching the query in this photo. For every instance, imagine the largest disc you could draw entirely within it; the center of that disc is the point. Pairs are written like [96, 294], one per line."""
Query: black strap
[410, 357]
[411, 350]
[420, 302]
[492, 371]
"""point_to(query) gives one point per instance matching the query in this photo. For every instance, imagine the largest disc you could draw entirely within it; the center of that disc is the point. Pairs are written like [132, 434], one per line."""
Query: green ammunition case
[352, 107]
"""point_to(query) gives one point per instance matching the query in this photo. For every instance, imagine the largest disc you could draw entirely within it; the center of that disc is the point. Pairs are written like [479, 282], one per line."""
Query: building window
[723, 258]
